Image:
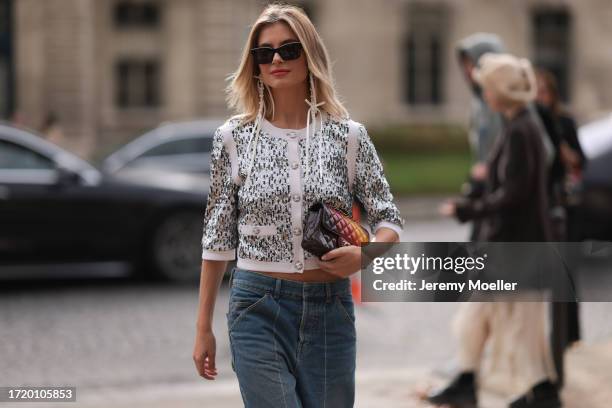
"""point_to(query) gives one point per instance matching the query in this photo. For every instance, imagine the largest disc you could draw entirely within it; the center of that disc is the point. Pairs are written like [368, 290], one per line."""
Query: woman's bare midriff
[309, 275]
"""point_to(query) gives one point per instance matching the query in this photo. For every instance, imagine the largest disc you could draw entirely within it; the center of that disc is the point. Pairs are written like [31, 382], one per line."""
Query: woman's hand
[569, 157]
[342, 262]
[479, 171]
[448, 209]
[204, 354]
[205, 346]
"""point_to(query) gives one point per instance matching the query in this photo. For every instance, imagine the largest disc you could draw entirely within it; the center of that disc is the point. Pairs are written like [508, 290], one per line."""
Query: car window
[13, 156]
[196, 144]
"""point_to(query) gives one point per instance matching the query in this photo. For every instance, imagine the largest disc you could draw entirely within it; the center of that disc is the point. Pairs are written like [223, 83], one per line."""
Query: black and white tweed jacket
[261, 220]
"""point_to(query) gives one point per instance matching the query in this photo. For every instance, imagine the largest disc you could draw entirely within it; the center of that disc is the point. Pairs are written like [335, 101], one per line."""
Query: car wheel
[176, 247]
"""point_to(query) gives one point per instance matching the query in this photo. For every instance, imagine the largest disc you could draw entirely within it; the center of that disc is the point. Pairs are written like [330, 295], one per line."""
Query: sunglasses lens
[290, 52]
[263, 55]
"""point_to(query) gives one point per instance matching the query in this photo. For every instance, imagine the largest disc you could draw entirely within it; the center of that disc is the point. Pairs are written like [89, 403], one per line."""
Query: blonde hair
[242, 94]
[511, 78]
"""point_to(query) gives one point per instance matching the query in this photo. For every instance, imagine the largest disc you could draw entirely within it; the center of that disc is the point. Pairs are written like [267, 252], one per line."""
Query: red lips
[279, 71]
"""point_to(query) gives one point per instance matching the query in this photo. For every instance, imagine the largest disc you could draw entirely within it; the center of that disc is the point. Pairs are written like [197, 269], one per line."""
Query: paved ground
[127, 345]
[142, 358]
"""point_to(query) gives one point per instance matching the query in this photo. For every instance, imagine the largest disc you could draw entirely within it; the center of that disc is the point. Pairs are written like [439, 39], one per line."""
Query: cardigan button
[297, 230]
[256, 230]
[296, 198]
[298, 266]
[295, 165]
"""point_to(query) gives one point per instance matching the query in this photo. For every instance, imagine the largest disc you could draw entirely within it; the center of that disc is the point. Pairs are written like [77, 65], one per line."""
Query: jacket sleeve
[517, 176]
[372, 189]
[220, 236]
[570, 135]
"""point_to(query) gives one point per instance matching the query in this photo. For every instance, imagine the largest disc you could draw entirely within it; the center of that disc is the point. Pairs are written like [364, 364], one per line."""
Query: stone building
[109, 69]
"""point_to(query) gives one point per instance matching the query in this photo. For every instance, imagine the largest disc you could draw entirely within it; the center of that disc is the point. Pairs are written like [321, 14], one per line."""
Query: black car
[56, 208]
[173, 155]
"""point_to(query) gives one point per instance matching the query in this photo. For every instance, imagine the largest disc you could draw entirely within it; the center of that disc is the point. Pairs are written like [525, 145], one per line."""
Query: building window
[6, 59]
[137, 83]
[136, 14]
[551, 45]
[424, 45]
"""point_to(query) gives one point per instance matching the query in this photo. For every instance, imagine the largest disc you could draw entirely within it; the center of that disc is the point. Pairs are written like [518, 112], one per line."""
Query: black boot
[460, 393]
[542, 395]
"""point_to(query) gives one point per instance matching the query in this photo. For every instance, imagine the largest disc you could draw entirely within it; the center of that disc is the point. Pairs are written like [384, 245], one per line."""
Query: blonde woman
[514, 207]
[291, 320]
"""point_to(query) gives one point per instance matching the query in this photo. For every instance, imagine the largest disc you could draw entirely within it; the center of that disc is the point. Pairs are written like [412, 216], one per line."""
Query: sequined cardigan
[261, 221]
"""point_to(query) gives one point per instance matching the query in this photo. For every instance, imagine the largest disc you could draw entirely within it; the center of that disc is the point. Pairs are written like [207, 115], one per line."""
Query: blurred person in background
[570, 161]
[485, 124]
[565, 176]
[290, 319]
[18, 119]
[513, 207]
[52, 130]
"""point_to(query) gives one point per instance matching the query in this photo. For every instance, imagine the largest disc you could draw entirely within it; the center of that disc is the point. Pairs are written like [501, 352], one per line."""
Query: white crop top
[261, 222]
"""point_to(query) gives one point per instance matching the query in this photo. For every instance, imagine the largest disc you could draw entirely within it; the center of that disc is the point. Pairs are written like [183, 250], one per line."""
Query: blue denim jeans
[292, 343]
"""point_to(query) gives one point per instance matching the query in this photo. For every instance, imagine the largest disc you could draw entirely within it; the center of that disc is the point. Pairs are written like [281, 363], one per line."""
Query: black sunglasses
[288, 52]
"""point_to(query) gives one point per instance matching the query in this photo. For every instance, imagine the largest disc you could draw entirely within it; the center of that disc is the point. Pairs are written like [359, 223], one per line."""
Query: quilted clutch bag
[327, 228]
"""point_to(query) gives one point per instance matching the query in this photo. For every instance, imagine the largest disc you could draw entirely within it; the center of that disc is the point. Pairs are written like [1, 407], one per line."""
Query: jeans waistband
[284, 287]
